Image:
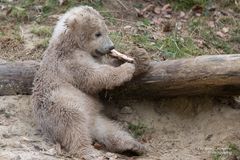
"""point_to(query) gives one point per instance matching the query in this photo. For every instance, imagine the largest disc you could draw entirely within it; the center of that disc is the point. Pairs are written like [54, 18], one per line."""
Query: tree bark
[211, 75]
[17, 77]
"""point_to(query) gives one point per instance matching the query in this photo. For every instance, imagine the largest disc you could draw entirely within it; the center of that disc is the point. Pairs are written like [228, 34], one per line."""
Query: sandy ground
[176, 129]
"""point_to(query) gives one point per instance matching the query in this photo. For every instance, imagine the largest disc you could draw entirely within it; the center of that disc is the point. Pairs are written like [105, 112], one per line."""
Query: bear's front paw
[142, 60]
[139, 148]
[128, 69]
[134, 148]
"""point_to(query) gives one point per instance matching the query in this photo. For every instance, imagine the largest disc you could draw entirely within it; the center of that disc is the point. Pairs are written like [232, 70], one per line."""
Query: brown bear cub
[71, 74]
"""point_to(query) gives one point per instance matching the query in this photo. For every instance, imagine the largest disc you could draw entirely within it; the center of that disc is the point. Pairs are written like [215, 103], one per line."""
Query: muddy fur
[65, 101]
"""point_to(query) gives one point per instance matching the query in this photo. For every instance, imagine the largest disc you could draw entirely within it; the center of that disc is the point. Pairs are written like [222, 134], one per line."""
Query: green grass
[145, 22]
[1, 34]
[120, 40]
[227, 20]
[49, 6]
[138, 5]
[144, 40]
[138, 129]
[98, 5]
[42, 44]
[42, 31]
[223, 154]
[199, 29]
[217, 42]
[23, 10]
[17, 35]
[234, 149]
[176, 46]
[109, 17]
[235, 36]
[19, 13]
[186, 5]
[12, 33]
[230, 4]
[172, 46]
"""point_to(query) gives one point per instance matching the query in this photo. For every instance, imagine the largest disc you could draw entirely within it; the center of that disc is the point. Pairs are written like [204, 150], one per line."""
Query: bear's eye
[98, 34]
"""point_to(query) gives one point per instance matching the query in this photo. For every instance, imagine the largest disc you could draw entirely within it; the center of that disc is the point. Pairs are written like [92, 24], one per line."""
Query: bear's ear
[71, 22]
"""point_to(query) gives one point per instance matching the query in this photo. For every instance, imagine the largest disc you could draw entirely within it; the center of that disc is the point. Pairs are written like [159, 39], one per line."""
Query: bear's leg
[77, 140]
[114, 137]
[68, 121]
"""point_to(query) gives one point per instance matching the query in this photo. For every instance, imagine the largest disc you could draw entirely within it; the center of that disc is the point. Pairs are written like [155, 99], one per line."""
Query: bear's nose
[111, 48]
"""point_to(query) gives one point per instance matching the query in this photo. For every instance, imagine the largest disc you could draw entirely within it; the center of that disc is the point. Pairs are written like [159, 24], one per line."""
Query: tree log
[204, 75]
[17, 77]
[211, 75]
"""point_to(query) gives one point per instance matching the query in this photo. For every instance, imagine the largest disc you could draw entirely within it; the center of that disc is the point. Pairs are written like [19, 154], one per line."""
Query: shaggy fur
[65, 101]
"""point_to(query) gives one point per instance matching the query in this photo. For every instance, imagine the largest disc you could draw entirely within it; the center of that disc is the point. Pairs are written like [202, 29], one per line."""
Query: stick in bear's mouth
[121, 56]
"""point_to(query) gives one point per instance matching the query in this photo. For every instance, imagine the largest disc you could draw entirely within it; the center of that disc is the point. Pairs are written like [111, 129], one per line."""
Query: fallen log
[17, 77]
[211, 75]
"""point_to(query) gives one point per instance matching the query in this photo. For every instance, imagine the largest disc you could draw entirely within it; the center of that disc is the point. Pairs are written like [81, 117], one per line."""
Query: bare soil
[174, 129]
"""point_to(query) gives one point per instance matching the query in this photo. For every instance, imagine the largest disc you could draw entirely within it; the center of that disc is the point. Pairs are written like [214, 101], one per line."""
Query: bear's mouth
[100, 53]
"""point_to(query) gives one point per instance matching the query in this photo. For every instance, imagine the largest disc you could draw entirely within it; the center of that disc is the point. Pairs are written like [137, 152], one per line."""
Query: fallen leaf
[225, 29]
[148, 8]
[198, 14]
[144, 11]
[157, 35]
[157, 10]
[182, 14]
[167, 27]
[200, 43]
[211, 24]
[220, 34]
[167, 16]
[127, 27]
[167, 8]
[197, 9]
[179, 25]
[156, 20]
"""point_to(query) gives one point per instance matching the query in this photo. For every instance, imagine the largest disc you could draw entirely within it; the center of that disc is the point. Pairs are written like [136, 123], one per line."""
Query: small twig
[120, 2]
[121, 56]
[22, 33]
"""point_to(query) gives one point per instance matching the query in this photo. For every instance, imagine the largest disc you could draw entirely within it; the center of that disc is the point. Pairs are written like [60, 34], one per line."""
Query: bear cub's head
[88, 30]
